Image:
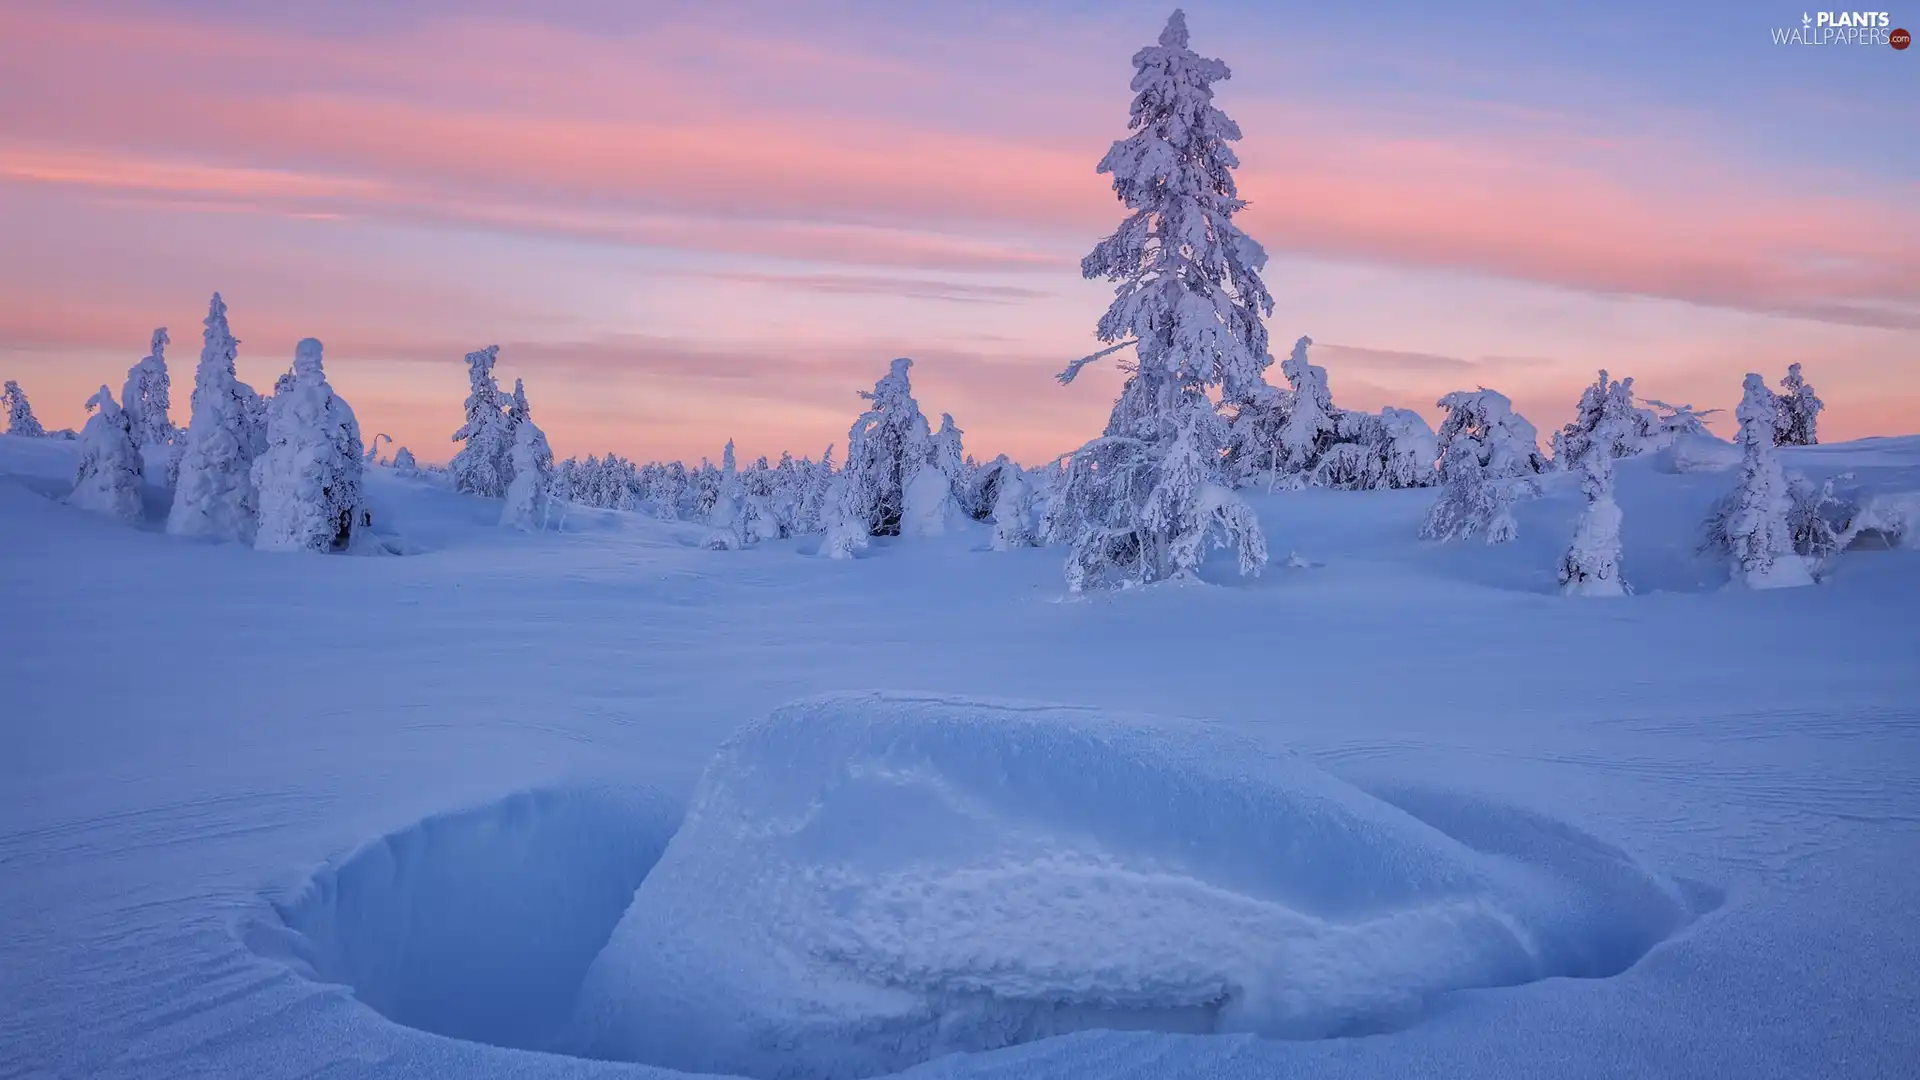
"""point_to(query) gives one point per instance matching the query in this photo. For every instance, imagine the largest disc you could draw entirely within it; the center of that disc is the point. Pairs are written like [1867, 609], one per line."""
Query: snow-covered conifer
[110, 474]
[527, 494]
[844, 518]
[728, 517]
[403, 462]
[1632, 429]
[1410, 450]
[1799, 411]
[1309, 425]
[1757, 533]
[1143, 501]
[310, 477]
[1488, 455]
[1591, 565]
[214, 495]
[483, 465]
[810, 515]
[931, 503]
[20, 418]
[887, 446]
[1012, 509]
[147, 396]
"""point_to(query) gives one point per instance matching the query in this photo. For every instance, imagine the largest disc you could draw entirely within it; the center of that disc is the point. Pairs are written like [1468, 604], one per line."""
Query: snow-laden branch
[1073, 369]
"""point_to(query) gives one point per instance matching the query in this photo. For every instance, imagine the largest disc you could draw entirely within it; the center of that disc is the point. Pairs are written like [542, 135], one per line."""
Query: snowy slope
[284, 815]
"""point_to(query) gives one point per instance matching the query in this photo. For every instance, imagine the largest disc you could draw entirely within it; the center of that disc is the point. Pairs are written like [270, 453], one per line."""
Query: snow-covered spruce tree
[758, 520]
[1488, 457]
[147, 396]
[1799, 411]
[110, 475]
[1142, 502]
[403, 462]
[214, 495]
[1633, 430]
[728, 517]
[1012, 509]
[526, 506]
[930, 506]
[483, 465]
[817, 482]
[20, 418]
[1308, 428]
[1756, 530]
[886, 447]
[310, 476]
[1409, 449]
[1591, 565]
[844, 517]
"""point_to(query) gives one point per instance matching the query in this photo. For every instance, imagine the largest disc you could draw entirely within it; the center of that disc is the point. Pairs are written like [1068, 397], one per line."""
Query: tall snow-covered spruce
[20, 418]
[888, 445]
[1798, 420]
[147, 396]
[483, 465]
[310, 477]
[1757, 533]
[529, 493]
[1143, 502]
[109, 478]
[214, 495]
[1591, 565]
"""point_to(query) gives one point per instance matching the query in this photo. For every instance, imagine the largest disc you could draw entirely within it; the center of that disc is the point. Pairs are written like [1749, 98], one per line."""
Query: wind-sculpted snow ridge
[868, 881]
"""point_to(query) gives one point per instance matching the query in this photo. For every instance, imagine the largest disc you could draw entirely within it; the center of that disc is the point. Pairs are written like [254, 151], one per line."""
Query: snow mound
[1698, 454]
[478, 924]
[868, 881]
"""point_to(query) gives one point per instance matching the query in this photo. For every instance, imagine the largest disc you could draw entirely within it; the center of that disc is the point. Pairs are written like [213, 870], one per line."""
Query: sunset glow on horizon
[684, 226]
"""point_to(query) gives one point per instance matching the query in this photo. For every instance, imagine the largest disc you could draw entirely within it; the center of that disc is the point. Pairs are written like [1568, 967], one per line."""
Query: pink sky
[683, 232]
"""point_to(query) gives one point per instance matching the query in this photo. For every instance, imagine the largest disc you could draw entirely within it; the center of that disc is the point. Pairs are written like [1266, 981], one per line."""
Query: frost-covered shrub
[1797, 411]
[20, 418]
[1672, 423]
[1888, 519]
[1142, 502]
[110, 473]
[214, 495]
[310, 477]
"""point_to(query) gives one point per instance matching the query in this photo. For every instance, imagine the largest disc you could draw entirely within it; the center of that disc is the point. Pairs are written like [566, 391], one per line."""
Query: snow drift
[477, 924]
[867, 881]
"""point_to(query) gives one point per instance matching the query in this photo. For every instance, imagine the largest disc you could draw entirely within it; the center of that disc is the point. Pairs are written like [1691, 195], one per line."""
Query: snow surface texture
[285, 713]
[867, 881]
